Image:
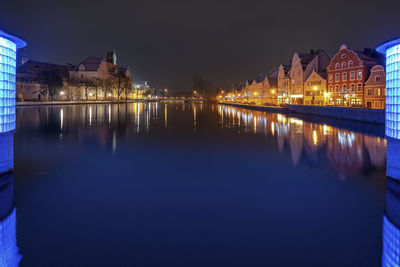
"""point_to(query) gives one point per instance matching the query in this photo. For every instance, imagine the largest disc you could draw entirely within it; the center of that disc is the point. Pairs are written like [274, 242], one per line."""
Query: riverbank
[258, 108]
[52, 103]
[375, 116]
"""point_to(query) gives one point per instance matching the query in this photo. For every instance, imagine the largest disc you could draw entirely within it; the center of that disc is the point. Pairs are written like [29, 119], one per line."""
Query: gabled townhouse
[271, 88]
[347, 73]
[283, 84]
[315, 80]
[302, 66]
[375, 88]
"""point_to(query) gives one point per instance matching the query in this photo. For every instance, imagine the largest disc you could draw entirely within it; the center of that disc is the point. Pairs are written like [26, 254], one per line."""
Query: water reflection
[391, 225]
[9, 252]
[348, 152]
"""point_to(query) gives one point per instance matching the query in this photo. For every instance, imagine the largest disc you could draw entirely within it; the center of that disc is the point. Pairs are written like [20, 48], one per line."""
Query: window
[359, 87]
[377, 104]
[369, 105]
[337, 66]
[330, 88]
[343, 55]
[344, 76]
[337, 77]
[369, 91]
[350, 64]
[352, 75]
[293, 82]
[343, 65]
[330, 78]
[359, 75]
[337, 88]
[352, 87]
[377, 78]
[344, 87]
[378, 91]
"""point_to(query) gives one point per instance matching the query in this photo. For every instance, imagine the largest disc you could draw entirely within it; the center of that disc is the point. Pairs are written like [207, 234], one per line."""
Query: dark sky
[166, 42]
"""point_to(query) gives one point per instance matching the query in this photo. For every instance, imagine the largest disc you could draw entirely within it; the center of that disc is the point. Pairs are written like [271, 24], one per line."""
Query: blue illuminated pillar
[392, 51]
[8, 54]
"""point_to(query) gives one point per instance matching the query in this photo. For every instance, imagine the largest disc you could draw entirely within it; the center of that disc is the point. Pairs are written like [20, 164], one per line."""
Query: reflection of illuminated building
[9, 255]
[376, 148]
[8, 53]
[296, 139]
[345, 152]
[391, 225]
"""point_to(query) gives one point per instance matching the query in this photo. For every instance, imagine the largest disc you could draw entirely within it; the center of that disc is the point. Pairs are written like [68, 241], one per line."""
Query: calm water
[156, 184]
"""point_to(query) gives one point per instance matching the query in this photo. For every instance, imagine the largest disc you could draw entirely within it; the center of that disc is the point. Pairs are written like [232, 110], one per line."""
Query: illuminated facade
[392, 51]
[8, 53]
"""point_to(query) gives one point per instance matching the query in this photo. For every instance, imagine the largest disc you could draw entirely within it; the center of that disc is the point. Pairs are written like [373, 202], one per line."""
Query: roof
[305, 58]
[260, 78]
[370, 57]
[32, 64]
[15, 39]
[381, 48]
[91, 63]
[32, 67]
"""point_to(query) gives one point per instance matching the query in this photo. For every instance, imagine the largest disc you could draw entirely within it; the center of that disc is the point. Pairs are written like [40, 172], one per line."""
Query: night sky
[167, 42]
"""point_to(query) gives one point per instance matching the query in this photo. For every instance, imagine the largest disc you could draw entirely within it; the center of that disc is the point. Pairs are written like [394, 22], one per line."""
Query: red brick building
[347, 73]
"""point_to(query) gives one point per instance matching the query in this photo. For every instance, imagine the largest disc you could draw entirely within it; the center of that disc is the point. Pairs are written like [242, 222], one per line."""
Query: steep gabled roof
[305, 58]
[91, 63]
[260, 78]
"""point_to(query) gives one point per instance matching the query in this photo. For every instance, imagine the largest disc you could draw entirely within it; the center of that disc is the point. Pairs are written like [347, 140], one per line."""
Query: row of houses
[95, 78]
[349, 78]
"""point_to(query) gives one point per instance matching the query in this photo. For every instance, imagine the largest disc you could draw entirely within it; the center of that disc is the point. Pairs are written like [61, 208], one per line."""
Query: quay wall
[376, 116]
[356, 114]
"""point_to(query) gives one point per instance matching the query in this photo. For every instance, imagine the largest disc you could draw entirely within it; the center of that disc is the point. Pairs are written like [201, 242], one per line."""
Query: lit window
[352, 75]
[369, 91]
[378, 91]
[359, 75]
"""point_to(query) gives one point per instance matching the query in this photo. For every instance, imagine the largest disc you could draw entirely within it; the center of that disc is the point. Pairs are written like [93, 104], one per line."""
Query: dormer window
[377, 78]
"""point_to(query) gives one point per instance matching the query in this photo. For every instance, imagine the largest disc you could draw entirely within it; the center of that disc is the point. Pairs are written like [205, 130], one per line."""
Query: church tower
[112, 57]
